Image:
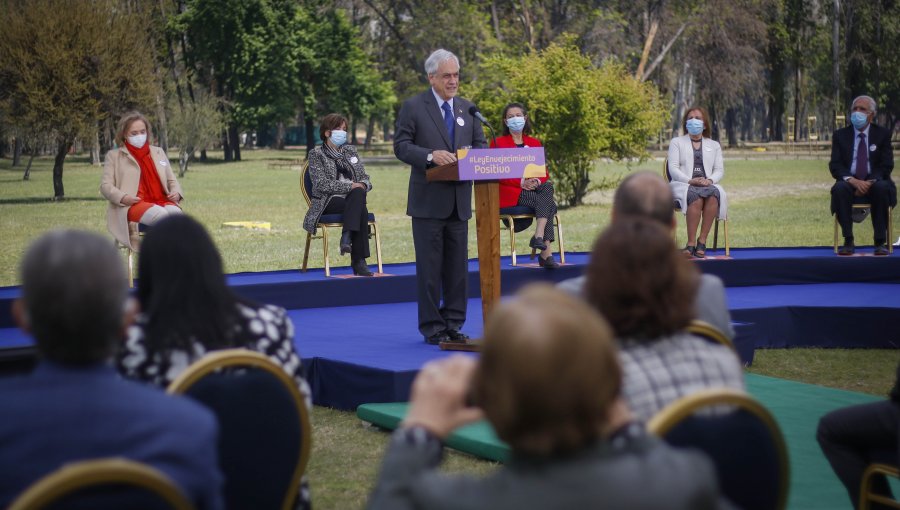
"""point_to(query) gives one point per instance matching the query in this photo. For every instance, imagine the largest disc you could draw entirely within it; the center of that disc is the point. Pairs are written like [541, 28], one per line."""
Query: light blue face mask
[694, 126]
[859, 119]
[516, 124]
[338, 137]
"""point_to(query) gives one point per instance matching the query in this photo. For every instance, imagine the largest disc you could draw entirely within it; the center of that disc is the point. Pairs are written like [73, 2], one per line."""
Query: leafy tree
[62, 70]
[194, 125]
[579, 111]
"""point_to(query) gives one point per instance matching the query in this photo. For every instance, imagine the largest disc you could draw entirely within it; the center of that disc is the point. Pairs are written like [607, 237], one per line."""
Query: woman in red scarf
[536, 193]
[138, 182]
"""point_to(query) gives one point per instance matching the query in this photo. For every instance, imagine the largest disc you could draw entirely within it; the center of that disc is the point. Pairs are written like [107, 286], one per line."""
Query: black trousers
[442, 272]
[355, 219]
[854, 437]
[879, 195]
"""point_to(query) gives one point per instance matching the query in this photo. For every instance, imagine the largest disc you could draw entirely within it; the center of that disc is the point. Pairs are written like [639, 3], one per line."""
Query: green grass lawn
[772, 203]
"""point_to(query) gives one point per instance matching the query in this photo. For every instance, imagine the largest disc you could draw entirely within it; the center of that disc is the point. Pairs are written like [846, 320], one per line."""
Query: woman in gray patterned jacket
[339, 186]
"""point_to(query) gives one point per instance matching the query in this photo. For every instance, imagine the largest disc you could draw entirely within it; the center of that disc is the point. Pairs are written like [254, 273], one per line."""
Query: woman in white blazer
[695, 169]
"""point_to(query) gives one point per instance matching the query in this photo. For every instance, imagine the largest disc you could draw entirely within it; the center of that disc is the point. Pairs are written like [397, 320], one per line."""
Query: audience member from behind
[861, 163]
[856, 436]
[573, 443]
[534, 192]
[646, 195]
[339, 186]
[641, 284]
[74, 406]
[138, 181]
[695, 169]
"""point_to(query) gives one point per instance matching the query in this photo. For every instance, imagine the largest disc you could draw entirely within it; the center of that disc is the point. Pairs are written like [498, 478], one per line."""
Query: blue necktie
[448, 121]
[862, 159]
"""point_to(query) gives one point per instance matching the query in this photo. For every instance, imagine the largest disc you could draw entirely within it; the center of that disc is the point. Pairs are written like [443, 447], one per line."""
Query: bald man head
[645, 195]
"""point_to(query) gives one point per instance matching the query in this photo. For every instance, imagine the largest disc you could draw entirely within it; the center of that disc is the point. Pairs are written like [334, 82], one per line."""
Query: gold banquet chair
[265, 437]
[859, 205]
[327, 221]
[744, 443]
[508, 215]
[668, 177]
[709, 332]
[866, 496]
[142, 484]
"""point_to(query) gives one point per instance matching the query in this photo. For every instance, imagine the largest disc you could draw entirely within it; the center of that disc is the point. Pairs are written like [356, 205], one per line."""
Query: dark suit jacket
[61, 414]
[420, 130]
[881, 160]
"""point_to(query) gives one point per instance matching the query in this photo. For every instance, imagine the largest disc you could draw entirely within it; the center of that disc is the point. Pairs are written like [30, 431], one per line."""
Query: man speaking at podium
[430, 128]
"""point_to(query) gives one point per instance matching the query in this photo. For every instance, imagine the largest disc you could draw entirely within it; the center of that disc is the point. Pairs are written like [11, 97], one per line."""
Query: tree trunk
[279, 136]
[27, 175]
[184, 158]
[95, 149]
[163, 133]
[310, 136]
[496, 21]
[203, 157]
[645, 54]
[226, 146]
[353, 139]
[730, 127]
[370, 128]
[714, 120]
[17, 151]
[234, 138]
[836, 63]
[62, 149]
[798, 75]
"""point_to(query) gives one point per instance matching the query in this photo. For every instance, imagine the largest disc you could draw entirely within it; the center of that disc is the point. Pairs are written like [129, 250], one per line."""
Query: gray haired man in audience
[573, 441]
[74, 406]
[646, 195]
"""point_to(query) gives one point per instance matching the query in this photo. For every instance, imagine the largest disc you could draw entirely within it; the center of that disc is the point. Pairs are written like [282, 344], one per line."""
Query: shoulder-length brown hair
[707, 129]
[549, 372]
[639, 281]
[125, 123]
[330, 122]
[527, 129]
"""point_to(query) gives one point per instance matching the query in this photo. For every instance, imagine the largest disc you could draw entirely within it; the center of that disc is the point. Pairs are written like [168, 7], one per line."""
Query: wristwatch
[430, 157]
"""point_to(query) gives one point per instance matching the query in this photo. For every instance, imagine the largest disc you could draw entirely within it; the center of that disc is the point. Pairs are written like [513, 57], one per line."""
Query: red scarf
[150, 188]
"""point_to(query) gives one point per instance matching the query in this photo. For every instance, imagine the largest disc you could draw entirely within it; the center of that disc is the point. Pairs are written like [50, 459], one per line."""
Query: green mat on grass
[796, 406]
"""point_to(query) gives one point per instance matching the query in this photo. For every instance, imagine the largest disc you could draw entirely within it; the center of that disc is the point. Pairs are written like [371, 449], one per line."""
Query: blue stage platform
[359, 341]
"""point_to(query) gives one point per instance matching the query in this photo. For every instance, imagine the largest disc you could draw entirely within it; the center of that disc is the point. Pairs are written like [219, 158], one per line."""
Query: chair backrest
[742, 439]
[306, 183]
[264, 430]
[866, 494]
[709, 332]
[111, 483]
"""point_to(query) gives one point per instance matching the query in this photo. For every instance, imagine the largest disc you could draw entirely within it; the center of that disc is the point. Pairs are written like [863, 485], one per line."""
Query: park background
[234, 89]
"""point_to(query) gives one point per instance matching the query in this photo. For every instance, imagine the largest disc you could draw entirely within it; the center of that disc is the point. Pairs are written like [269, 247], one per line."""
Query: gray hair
[74, 293]
[645, 195]
[437, 58]
[872, 104]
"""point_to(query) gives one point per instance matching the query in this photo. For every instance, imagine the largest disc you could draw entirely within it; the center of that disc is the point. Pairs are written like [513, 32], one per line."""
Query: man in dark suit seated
[74, 406]
[861, 164]
[548, 381]
[430, 128]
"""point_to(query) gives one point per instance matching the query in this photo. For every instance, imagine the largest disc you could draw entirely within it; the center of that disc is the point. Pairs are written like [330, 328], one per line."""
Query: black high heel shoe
[345, 243]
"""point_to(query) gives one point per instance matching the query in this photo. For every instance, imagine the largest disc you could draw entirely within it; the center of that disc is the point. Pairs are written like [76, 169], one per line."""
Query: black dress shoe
[537, 243]
[456, 335]
[345, 243]
[881, 250]
[846, 249]
[548, 263]
[437, 338]
[360, 268]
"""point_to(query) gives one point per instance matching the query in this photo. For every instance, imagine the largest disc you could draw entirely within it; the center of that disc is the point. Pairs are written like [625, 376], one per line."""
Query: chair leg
[325, 250]
[716, 234]
[130, 256]
[890, 232]
[725, 233]
[559, 235]
[306, 252]
[512, 241]
[377, 246]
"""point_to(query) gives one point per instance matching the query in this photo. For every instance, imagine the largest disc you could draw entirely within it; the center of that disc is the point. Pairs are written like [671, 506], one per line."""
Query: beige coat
[121, 176]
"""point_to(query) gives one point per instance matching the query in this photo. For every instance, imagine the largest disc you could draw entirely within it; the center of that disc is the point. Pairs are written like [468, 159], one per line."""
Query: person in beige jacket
[138, 182]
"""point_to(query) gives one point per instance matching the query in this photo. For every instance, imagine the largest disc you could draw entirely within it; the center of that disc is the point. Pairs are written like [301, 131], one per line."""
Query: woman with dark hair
[640, 283]
[339, 186]
[137, 181]
[187, 310]
[534, 192]
[695, 169]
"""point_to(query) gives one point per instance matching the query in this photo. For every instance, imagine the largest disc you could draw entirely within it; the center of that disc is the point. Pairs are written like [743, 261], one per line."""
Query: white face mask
[138, 140]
